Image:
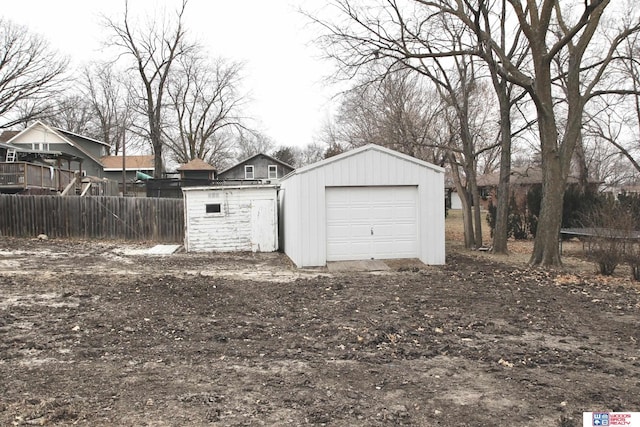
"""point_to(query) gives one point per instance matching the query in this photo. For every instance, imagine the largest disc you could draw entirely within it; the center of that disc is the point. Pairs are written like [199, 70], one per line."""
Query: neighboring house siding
[95, 149]
[260, 169]
[88, 165]
[304, 203]
[247, 220]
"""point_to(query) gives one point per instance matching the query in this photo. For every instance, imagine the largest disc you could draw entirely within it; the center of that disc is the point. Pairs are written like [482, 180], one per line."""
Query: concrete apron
[361, 265]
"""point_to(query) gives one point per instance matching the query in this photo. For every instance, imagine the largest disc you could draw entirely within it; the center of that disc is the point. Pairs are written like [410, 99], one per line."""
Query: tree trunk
[477, 214]
[158, 164]
[467, 220]
[583, 168]
[465, 201]
[546, 247]
[501, 230]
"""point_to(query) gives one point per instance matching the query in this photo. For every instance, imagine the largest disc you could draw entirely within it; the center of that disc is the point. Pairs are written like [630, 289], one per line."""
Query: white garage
[368, 203]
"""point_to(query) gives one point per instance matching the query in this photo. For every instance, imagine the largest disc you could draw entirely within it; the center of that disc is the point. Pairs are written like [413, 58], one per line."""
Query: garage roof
[364, 148]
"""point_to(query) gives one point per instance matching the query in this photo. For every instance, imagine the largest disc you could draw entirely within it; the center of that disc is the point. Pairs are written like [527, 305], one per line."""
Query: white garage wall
[304, 204]
[247, 222]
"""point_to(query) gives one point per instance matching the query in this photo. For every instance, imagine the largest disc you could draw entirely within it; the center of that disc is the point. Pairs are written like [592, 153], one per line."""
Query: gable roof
[78, 137]
[69, 137]
[144, 162]
[364, 148]
[273, 159]
[196, 165]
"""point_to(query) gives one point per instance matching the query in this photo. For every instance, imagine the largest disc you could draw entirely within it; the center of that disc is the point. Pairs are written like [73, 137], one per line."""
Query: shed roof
[229, 187]
[196, 165]
[357, 151]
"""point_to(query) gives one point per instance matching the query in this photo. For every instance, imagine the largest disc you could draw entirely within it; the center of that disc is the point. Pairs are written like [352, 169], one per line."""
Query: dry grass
[573, 256]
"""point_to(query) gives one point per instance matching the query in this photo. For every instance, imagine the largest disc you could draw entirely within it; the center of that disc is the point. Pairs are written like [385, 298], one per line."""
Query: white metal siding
[374, 222]
[304, 204]
[247, 221]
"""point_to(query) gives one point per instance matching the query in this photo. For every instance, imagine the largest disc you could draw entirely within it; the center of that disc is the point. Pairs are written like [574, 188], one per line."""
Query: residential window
[42, 146]
[248, 172]
[273, 171]
[214, 208]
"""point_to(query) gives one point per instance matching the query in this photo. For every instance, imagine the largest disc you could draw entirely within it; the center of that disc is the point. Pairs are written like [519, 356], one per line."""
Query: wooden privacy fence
[99, 217]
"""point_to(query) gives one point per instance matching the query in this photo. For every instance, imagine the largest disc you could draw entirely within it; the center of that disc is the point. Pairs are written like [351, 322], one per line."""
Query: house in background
[195, 173]
[84, 152]
[133, 166]
[452, 198]
[260, 167]
[523, 179]
[45, 159]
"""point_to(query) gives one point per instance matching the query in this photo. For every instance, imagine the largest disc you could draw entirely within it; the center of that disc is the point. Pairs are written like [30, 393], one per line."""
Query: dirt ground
[100, 334]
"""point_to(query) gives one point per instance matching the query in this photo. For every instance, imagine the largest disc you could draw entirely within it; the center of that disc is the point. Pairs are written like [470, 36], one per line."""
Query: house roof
[77, 137]
[364, 148]
[273, 159]
[196, 165]
[526, 175]
[144, 162]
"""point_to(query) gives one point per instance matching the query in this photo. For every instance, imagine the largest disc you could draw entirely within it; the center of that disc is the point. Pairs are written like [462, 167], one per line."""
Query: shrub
[611, 224]
[516, 224]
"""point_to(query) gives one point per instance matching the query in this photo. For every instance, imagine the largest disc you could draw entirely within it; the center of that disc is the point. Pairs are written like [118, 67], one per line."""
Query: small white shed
[231, 218]
[367, 203]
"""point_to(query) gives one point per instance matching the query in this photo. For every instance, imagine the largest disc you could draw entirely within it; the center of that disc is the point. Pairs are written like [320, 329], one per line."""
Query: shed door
[372, 222]
[264, 226]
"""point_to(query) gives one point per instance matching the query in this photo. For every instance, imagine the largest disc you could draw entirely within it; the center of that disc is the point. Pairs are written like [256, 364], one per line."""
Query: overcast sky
[283, 70]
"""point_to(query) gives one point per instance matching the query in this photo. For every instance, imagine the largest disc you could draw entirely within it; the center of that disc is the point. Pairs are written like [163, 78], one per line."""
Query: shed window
[248, 172]
[273, 171]
[214, 208]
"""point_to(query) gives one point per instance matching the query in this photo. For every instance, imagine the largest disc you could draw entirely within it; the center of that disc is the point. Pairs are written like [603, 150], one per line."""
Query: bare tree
[311, 153]
[154, 51]
[30, 73]
[288, 155]
[112, 104]
[72, 113]
[205, 109]
[251, 142]
[396, 109]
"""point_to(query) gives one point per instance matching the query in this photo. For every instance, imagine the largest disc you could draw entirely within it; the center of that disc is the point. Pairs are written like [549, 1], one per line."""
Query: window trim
[275, 171]
[40, 146]
[249, 170]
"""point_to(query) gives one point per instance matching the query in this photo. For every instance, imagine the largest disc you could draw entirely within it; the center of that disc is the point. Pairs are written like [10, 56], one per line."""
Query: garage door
[371, 223]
